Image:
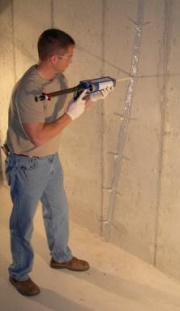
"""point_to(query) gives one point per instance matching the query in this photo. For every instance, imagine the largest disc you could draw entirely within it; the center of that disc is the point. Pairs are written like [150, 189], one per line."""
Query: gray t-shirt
[24, 108]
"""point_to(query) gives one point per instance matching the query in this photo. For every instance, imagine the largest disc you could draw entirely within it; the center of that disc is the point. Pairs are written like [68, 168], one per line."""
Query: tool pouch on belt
[5, 150]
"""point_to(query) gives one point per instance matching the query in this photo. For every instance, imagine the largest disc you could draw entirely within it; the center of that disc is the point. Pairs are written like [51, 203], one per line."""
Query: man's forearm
[40, 133]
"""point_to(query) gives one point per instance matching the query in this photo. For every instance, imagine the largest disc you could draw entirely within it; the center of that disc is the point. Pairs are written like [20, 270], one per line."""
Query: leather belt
[7, 152]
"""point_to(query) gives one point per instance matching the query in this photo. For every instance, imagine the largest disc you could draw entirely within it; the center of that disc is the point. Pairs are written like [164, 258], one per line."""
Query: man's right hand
[77, 107]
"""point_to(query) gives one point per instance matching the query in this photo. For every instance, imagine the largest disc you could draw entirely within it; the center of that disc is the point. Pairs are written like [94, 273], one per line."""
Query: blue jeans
[32, 180]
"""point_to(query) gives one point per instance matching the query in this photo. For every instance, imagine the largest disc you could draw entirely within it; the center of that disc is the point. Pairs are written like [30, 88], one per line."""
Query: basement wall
[122, 157]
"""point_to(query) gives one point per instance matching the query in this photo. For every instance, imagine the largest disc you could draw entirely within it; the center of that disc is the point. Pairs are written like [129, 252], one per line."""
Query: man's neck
[45, 72]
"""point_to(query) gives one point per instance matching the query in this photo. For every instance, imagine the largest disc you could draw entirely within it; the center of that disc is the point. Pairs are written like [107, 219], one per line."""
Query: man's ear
[53, 59]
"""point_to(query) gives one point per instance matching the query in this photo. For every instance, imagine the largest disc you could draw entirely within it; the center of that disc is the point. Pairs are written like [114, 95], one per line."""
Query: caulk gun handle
[78, 92]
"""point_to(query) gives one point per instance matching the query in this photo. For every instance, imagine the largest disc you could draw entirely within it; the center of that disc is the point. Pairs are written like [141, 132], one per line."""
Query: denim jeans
[32, 180]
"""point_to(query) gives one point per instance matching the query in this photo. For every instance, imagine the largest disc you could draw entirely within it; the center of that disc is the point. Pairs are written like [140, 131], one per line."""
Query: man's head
[56, 46]
[53, 41]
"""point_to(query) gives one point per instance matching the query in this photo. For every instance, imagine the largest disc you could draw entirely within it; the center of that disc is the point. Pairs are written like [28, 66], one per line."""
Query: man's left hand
[102, 94]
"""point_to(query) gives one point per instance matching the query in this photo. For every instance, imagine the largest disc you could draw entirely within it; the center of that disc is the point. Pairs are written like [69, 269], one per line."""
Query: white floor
[117, 281]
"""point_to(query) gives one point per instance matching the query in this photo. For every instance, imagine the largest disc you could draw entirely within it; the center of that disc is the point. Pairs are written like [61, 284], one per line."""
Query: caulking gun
[90, 85]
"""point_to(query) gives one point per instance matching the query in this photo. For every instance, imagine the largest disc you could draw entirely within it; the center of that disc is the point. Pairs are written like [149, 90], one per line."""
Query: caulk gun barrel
[98, 84]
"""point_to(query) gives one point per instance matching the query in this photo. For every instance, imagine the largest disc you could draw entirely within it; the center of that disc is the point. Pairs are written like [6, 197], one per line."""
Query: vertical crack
[118, 156]
[164, 59]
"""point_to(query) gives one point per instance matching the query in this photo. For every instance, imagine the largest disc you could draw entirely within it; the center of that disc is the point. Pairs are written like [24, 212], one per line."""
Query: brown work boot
[26, 288]
[74, 264]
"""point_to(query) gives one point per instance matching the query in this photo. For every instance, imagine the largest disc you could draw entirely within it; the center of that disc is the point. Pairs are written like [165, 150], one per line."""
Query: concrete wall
[121, 158]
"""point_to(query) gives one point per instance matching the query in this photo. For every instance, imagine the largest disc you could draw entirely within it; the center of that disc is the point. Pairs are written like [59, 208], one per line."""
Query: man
[33, 168]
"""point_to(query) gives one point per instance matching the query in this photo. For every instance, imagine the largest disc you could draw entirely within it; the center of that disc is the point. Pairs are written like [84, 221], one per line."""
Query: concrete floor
[116, 281]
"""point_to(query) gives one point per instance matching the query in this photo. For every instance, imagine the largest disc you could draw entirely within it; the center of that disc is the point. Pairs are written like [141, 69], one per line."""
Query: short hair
[53, 41]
